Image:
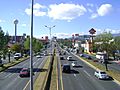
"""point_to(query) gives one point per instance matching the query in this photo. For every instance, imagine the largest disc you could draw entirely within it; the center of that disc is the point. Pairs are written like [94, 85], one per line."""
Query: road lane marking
[74, 75]
[87, 73]
[26, 85]
[61, 75]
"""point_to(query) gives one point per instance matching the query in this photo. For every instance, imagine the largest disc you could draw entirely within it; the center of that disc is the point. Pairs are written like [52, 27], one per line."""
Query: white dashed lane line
[86, 73]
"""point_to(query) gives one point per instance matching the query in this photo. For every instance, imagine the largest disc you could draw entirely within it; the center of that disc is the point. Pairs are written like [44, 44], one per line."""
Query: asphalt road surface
[82, 78]
[10, 80]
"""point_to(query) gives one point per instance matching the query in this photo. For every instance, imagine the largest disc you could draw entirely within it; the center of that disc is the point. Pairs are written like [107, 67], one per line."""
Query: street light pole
[50, 28]
[15, 22]
[31, 53]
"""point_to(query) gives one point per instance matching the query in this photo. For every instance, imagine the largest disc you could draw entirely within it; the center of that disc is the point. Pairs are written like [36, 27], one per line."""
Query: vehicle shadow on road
[13, 70]
[74, 71]
[17, 70]
[72, 60]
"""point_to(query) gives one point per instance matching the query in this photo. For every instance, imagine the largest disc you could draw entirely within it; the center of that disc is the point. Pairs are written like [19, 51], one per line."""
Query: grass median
[54, 76]
[41, 79]
[113, 73]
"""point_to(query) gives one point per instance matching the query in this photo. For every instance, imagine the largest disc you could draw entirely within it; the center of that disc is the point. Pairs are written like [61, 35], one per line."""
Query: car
[17, 56]
[66, 68]
[101, 74]
[25, 72]
[81, 55]
[39, 56]
[69, 57]
[101, 55]
[61, 58]
[75, 64]
[1, 63]
[88, 57]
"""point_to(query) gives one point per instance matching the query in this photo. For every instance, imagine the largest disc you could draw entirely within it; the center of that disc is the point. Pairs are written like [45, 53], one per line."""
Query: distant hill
[115, 35]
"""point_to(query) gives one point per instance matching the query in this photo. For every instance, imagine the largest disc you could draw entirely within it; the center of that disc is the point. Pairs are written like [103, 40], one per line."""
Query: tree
[37, 45]
[4, 39]
[104, 42]
[16, 48]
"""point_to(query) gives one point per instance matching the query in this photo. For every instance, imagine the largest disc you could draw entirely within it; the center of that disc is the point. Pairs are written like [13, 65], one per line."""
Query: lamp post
[15, 22]
[50, 28]
[9, 55]
[31, 54]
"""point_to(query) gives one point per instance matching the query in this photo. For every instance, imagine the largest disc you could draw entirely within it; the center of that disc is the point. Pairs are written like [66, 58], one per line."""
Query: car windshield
[103, 72]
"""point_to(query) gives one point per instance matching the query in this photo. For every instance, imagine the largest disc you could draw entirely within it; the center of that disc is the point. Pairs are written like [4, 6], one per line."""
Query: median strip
[42, 79]
[54, 76]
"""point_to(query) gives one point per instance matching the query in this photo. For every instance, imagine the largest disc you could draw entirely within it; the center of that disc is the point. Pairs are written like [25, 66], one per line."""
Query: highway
[10, 80]
[82, 78]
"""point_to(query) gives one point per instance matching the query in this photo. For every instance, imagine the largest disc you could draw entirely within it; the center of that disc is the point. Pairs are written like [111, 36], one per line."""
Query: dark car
[25, 72]
[61, 58]
[66, 68]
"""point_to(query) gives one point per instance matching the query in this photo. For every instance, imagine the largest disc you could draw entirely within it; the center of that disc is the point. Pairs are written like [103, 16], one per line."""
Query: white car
[17, 55]
[69, 57]
[75, 64]
[101, 75]
[39, 56]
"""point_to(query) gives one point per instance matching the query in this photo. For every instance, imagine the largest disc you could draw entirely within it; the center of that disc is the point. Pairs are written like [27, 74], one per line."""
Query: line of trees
[17, 47]
[105, 42]
[4, 39]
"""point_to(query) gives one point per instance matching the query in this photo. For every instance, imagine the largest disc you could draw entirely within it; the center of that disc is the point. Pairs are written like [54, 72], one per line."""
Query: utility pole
[15, 22]
[31, 53]
[50, 28]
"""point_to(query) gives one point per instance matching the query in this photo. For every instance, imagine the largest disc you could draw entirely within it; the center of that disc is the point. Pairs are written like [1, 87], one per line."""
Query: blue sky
[69, 16]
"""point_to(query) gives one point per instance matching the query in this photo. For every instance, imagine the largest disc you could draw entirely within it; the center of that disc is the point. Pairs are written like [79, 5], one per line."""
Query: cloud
[94, 15]
[66, 11]
[2, 21]
[113, 31]
[103, 10]
[38, 10]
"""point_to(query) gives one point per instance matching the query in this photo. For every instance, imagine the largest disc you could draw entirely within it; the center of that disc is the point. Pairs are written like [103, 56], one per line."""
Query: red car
[25, 72]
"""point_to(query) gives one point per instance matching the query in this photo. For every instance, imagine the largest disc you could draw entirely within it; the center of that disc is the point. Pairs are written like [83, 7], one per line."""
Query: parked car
[66, 68]
[69, 58]
[1, 63]
[81, 55]
[101, 56]
[17, 56]
[25, 72]
[101, 75]
[88, 57]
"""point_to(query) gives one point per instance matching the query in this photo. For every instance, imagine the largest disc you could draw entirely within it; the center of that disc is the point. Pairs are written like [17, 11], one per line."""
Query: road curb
[95, 68]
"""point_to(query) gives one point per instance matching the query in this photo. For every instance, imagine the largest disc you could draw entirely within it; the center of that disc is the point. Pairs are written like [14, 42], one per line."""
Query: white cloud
[113, 31]
[2, 21]
[62, 35]
[37, 10]
[104, 9]
[94, 15]
[66, 11]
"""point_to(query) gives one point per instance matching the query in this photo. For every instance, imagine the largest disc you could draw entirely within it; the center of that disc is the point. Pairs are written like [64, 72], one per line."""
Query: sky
[68, 16]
